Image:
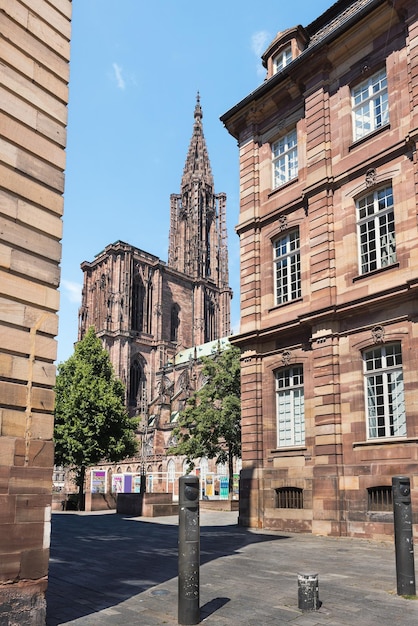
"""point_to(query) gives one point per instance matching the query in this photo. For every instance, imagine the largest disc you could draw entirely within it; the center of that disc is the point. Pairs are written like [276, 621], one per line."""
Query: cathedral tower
[198, 240]
[145, 310]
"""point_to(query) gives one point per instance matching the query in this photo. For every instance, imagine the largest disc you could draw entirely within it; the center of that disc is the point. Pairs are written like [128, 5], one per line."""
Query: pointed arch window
[136, 380]
[149, 308]
[138, 297]
[171, 471]
[210, 320]
[175, 322]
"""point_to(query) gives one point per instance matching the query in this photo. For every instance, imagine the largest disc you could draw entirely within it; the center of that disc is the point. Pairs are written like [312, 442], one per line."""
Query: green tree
[91, 421]
[210, 424]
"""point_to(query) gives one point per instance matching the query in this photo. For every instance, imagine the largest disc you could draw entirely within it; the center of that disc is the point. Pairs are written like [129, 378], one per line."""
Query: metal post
[189, 551]
[308, 592]
[404, 546]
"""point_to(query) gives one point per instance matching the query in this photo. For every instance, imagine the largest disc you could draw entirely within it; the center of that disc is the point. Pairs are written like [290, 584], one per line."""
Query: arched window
[171, 471]
[138, 295]
[222, 469]
[290, 406]
[135, 380]
[174, 322]
[203, 467]
[149, 308]
[386, 415]
[210, 333]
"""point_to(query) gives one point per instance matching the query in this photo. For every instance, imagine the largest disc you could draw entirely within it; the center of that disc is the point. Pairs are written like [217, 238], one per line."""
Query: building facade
[155, 318]
[329, 272]
[34, 53]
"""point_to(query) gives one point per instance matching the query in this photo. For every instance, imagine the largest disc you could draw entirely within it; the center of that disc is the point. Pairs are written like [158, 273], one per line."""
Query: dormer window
[282, 59]
[284, 49]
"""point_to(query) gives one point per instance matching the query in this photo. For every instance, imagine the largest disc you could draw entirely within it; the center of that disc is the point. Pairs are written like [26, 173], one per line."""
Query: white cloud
[118, 75]
[259, 42]
[72, 291]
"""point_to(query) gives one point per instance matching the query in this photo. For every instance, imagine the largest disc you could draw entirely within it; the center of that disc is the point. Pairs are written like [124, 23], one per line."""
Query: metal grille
[380, 498]
[289, 498]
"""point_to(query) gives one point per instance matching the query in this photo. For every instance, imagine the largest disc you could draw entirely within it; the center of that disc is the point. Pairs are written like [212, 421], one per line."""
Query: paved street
[112, 570]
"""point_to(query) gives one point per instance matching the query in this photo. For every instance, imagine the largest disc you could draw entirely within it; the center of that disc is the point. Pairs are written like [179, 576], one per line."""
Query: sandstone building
[34, 52]
[329, 272]
[156, 318]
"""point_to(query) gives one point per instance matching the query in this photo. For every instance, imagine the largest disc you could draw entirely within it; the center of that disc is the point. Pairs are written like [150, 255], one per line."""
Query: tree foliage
[210, 424]
[91, 421]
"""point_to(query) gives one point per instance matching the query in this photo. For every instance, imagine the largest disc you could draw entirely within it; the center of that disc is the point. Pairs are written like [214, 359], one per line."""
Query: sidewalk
[111, 570]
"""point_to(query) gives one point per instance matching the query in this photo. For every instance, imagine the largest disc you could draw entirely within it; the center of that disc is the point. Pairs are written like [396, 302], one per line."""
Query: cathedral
[157, 318]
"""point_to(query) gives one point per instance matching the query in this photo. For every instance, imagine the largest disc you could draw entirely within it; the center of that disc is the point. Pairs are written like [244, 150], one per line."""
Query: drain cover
[160, 592]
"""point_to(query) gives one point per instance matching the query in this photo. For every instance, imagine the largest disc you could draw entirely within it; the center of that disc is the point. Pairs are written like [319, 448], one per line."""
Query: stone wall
[324, 480]
[34, 52]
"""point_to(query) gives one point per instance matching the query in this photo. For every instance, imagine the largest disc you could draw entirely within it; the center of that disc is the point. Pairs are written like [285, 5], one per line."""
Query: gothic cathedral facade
[149, 314]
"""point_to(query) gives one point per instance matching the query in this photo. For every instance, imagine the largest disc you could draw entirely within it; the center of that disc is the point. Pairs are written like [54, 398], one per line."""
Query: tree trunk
[81, 495]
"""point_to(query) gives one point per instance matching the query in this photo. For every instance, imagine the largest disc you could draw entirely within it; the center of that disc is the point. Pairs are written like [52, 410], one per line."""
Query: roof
[327, 26]
[205, 349]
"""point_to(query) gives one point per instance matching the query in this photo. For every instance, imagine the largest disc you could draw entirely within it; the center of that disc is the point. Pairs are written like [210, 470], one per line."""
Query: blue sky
[136, 67]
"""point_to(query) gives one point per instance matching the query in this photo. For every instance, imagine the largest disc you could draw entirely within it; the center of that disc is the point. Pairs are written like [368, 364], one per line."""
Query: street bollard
[404, 543]
[189, 551]
[308, 592]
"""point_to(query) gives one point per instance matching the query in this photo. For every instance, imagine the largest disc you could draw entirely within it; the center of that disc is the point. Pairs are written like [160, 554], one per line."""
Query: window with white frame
[286, 261]
[290, 407]
[285, 159]
[376, 230]
[171, 471]
[384, 391]
[282, 59]
[370, 105]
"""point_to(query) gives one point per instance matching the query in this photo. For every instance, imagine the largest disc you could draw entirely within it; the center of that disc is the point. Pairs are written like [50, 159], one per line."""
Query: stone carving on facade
[282, 222]
[371, 177]
[378, 334]
[199, 323]
[164, 389]
[286, 357]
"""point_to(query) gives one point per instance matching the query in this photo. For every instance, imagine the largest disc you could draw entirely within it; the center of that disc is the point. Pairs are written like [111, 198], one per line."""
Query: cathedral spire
[197, 161]
[198, 239]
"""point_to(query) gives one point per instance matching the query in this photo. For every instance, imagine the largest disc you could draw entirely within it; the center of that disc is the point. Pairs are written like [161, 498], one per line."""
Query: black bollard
[189, 551]
[404, 544]
[308, 592]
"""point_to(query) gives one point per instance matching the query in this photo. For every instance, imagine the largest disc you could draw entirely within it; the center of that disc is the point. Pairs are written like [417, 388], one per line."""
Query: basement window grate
[380, 498]
[289, 498]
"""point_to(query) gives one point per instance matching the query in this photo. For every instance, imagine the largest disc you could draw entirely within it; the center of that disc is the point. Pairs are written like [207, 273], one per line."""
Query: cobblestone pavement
[111, 570]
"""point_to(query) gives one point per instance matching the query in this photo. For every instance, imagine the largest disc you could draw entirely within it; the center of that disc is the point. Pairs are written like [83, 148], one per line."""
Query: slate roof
[333, 18]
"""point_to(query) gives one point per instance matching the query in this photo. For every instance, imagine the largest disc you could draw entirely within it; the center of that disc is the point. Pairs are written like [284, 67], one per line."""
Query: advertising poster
[209, 485]
[117, 483]
[224, 487]
[98, 481]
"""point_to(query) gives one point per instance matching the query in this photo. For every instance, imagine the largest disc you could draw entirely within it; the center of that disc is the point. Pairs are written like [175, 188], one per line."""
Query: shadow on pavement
[98, 561]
